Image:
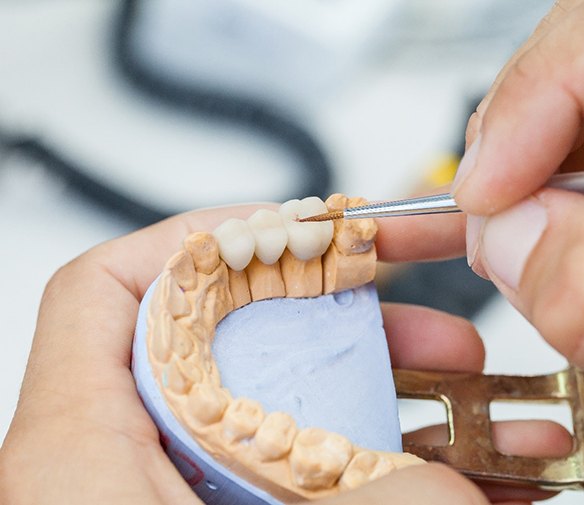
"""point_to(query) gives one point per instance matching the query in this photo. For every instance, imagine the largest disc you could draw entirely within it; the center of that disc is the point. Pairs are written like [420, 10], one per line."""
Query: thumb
[532, 123]
[415, 485]
[559, 11]
[534, 253]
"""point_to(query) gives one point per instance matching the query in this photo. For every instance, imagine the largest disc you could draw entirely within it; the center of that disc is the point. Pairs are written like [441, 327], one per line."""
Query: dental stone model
[278, 273]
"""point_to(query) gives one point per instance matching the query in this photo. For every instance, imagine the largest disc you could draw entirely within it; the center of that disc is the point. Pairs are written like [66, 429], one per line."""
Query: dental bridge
[272, 255]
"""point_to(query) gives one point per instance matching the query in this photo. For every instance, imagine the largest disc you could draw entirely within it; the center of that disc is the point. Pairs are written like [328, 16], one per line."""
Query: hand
[529, 126]
[81, 434]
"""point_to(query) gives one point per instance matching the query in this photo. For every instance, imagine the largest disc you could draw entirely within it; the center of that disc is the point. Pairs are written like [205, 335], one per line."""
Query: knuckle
[531, 65]
[565, 5]
[64, 276]
[57, 282]
[473, 128]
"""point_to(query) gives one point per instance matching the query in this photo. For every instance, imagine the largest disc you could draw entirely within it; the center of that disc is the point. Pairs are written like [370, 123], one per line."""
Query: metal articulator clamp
[470, 449]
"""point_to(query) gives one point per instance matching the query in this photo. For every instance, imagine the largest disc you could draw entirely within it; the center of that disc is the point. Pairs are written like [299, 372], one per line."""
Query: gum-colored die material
[169, 296]
[269, 256]
[206, 403]
[351, 236]
[365, 467]
[204, 250]
[301, 278]
[275, 436]
[341, 272]
[161, 337]
[175, 379]
[181, 375]
[318, 458]
[239, 288]
[182, 268]
[265, 281]
[242, 419]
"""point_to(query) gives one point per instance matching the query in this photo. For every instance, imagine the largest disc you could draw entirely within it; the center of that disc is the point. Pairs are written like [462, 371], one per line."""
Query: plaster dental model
[287, 313]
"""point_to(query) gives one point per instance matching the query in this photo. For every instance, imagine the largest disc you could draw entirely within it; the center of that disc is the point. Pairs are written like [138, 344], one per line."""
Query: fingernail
[467, 163]
[509, 238]
[473, 230]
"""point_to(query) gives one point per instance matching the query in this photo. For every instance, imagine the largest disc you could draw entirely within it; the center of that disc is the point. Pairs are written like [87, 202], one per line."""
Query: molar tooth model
[305, 378]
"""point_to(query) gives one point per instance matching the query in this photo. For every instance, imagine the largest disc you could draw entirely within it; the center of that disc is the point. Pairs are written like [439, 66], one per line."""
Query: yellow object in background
[442, 170]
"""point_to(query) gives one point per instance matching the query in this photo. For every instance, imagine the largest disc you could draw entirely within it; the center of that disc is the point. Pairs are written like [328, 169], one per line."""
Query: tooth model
[260, 355]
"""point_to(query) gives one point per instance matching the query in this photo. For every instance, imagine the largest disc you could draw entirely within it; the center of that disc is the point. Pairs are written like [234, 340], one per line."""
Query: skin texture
[530, 126]
[81, 434]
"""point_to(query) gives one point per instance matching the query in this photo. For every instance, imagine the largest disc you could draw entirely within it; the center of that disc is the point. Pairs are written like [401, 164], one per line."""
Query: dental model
[271, 255]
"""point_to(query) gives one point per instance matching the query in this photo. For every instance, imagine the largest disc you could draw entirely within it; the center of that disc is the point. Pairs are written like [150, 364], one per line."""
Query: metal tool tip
[328, 216]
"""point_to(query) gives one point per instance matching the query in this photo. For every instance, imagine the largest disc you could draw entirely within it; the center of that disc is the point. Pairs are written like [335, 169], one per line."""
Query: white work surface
[379, 131]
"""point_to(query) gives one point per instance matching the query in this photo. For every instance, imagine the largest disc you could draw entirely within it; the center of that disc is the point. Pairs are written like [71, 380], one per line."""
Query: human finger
[556, 13]
[399, 239]
[531, 125]
[534, 439]
[112, 278]
[421, 237]
[88, 312]
[533, 253]
[136, 259]
[66, 459]
[441, 486]
[421, 338]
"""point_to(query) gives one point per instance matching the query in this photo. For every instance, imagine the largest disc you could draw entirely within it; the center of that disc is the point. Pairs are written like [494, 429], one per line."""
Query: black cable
[445, 285]
[76, 178]
[249, 113]
[315, 179]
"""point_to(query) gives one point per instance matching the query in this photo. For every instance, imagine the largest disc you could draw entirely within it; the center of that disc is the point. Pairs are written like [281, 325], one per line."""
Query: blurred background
[116, 113]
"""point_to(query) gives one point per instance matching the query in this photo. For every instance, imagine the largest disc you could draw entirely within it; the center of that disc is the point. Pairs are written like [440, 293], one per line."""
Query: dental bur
[435, 204]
